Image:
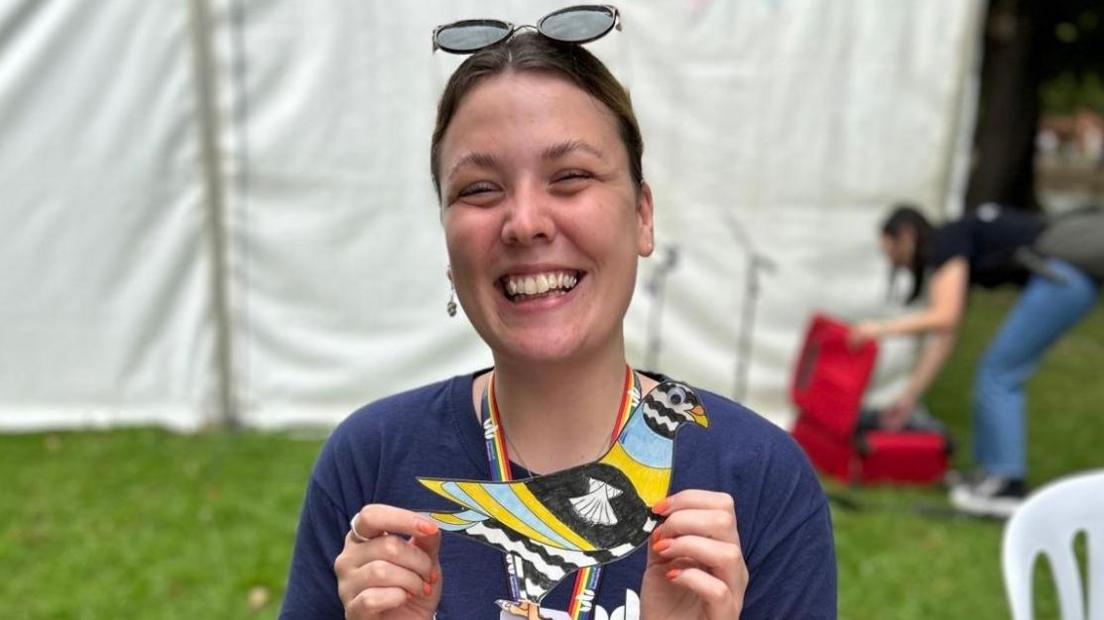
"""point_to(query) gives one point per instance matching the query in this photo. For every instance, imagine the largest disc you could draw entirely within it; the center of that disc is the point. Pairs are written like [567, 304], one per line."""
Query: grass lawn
[147, 524]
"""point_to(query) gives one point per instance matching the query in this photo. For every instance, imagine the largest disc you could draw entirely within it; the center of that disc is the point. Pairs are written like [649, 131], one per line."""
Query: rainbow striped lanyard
[586, 580]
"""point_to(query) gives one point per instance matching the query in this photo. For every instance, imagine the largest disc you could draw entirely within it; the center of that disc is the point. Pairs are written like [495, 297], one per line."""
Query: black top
[988, 238]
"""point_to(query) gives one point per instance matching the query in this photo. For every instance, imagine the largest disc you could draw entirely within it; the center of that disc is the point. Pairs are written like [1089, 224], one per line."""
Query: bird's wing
[456, 521]
[513, 505]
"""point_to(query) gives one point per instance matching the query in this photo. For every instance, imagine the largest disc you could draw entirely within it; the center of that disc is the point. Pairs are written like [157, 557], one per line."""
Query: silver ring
[352, 530]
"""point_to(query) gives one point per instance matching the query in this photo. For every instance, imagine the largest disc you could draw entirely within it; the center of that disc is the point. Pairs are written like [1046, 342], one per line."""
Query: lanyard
[586, 579]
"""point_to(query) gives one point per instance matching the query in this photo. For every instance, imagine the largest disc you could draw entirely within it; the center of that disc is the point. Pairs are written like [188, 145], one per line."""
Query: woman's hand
[389, 567]
[695, 565]
[862, 332]
[898, 413]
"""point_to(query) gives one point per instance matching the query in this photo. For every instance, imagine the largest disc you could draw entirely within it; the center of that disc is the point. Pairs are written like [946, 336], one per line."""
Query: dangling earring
[450, 307]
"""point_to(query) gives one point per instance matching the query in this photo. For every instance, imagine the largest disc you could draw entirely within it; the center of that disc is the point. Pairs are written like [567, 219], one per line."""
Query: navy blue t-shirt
[376, 454]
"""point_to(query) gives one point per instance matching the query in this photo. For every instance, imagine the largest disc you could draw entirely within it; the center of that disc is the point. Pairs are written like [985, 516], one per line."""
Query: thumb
[430, 543]
[653, 556]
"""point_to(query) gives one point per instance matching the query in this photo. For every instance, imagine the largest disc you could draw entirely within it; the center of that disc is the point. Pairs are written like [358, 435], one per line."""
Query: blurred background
[218, 237]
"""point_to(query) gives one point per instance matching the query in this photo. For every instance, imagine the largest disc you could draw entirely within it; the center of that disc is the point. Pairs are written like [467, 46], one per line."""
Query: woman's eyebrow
[560, 149]
[480, 160]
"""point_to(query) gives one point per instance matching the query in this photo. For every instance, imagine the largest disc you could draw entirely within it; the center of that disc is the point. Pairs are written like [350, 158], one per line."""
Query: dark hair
[907, 217]
[531, 51]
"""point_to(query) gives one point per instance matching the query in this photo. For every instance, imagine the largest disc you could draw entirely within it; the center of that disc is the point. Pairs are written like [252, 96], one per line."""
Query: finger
[719, 599]
[381, 574]
[694, 498]
[373, 601]
[719, 525]
[376, 519]
[394, 550]
[657, 559]
[725, 560]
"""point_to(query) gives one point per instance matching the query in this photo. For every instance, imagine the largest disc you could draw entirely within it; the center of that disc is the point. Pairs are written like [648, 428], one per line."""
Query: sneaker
[988, 496]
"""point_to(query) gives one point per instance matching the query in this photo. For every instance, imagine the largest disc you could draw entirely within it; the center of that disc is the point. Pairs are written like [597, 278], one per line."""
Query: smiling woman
[536, 485]
[539, 188]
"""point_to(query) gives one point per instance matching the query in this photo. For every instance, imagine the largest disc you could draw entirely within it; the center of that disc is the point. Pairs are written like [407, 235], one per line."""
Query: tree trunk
[1008, 115]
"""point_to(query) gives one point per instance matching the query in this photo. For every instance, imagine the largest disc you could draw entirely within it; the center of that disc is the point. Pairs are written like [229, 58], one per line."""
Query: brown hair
[531, 51]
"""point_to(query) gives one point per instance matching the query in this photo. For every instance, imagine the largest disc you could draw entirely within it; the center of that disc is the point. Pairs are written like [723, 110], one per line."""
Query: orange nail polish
[427, 589]
[656, 536]
[425, 527]
[673, 574]
[662, 545]
[434, 576]
[662, 506]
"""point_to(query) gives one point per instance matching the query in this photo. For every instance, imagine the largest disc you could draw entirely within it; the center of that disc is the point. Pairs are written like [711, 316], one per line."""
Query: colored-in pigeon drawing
[592, 514]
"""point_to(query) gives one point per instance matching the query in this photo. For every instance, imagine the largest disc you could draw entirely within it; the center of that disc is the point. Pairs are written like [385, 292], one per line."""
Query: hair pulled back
[532, 51]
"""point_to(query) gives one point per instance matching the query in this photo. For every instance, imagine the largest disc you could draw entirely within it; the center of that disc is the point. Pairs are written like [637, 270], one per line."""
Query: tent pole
[215, 202]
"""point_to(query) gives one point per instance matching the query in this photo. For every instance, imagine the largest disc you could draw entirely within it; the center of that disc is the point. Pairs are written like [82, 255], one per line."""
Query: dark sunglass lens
[577, 24]
[470, 36]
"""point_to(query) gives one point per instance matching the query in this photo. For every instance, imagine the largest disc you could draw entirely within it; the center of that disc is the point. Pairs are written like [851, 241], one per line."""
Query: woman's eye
[475, 189]
[479, 193]
[571, 175]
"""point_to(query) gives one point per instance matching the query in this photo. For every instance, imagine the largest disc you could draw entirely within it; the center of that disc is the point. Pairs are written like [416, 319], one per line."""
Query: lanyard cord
[586, 579]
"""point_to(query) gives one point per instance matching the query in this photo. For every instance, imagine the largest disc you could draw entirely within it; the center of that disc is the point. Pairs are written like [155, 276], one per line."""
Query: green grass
[904, 551]
[148, 524]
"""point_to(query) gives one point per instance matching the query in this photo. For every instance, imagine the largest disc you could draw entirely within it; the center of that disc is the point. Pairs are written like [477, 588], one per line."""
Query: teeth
[539, 284]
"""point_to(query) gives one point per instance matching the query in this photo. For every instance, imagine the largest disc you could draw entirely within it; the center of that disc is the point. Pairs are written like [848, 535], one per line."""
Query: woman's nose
[528, 219]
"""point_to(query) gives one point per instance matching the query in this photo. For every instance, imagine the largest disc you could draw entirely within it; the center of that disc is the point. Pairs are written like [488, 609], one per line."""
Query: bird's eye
[676, 398]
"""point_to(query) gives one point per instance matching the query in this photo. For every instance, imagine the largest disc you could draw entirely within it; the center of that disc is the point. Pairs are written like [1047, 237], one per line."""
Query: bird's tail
[455, 521]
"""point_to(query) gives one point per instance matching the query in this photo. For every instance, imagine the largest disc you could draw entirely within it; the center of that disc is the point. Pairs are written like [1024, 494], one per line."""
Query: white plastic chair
[1047, 524]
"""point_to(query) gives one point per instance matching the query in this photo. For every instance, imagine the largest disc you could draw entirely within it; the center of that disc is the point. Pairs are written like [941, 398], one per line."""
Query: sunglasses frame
[509, 29]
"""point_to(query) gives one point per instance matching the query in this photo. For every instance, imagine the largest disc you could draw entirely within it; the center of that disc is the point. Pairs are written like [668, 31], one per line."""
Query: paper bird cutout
[591, 514]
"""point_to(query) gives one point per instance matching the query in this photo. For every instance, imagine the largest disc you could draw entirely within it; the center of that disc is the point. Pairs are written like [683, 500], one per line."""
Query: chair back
[1046, 524]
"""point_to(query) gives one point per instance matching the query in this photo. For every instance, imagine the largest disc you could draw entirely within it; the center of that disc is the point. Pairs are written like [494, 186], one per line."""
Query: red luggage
[827, 389]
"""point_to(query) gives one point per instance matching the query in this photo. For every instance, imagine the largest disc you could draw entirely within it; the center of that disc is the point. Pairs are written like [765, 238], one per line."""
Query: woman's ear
[645, 220]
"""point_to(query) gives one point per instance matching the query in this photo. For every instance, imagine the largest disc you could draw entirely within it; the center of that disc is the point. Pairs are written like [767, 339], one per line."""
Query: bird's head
[679, 404]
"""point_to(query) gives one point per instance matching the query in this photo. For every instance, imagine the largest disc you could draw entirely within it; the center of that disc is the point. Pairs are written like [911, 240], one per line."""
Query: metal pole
[215, 203]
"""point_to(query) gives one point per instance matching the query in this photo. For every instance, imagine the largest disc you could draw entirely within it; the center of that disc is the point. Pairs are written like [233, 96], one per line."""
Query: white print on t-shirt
[629, 611]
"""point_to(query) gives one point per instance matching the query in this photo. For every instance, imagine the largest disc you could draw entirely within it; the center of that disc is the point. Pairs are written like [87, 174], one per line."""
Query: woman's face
[542, 219]
[899, 248]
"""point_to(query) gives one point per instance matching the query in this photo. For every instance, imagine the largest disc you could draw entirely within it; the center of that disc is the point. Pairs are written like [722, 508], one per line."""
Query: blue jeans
[1045, 310]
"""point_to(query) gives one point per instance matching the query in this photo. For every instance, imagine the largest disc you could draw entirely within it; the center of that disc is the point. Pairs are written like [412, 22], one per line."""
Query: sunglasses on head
[575, 24]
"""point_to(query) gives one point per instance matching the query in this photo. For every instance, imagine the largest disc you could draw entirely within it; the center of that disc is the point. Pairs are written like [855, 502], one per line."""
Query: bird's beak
[699, 416]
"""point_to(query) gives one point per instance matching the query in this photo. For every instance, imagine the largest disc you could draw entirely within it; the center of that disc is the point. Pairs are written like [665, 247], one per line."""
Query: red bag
[902, 456]
[831, 377]
[827, 389]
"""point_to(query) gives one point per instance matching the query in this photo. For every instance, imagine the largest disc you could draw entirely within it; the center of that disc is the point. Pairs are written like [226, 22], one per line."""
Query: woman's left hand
[695, 565]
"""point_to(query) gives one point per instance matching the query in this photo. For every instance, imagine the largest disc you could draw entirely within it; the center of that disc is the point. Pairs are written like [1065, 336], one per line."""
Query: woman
[988, 248]
[536, 158]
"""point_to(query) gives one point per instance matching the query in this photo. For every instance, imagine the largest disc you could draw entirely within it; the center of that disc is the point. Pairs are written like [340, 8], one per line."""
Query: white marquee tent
[217, 209]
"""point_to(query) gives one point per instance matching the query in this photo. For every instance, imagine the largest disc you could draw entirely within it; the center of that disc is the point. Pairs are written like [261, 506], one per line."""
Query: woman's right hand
[862, 332]
[389, 569]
